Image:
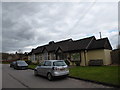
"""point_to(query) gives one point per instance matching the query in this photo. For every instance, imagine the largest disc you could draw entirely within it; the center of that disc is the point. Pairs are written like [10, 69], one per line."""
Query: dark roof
[62, 44]
[81, 44]
[100, 44]
[38, 50]
[116, 50]
[30, 53]
[68, 45]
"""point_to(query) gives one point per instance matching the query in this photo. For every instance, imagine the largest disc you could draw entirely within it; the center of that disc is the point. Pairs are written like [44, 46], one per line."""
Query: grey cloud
[0, 27]
[33, 24]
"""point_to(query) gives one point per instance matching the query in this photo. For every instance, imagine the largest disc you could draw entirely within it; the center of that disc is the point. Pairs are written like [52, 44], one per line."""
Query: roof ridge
[63, 41]
[85, 38]
[90, 42]
[102, 39]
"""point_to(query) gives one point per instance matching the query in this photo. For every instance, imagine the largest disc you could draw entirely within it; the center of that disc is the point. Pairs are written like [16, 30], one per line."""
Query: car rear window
[59, 63]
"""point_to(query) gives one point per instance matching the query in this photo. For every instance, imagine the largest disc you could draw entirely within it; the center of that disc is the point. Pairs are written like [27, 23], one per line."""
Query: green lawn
[107, 74]
[4, 62]
[32, 66]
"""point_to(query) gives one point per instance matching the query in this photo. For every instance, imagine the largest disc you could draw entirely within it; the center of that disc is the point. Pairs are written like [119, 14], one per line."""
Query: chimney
[51, 42]
[100, 35]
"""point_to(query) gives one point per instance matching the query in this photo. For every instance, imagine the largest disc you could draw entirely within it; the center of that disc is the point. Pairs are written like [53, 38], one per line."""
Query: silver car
[52, 68]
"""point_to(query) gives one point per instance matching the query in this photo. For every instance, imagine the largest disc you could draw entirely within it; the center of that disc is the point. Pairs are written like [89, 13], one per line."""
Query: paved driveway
[26, 79]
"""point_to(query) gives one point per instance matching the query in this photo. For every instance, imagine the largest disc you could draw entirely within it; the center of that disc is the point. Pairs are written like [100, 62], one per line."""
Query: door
[60, 56]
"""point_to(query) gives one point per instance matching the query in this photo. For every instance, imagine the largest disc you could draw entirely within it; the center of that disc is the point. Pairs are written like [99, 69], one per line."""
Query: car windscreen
[13, 62]
[21, 62]
[59, 63]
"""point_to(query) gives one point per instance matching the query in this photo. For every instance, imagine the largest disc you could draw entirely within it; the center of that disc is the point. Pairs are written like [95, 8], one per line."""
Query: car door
[40, 68]
[46, 67]
[15, 64]
[12, 64]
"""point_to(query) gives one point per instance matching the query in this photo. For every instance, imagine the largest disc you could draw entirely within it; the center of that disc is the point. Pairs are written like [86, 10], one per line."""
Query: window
[47, 63]
[36, 57]
[45, 56]
[41, 64]
[59, 63]
[75, 56]
[40, 57]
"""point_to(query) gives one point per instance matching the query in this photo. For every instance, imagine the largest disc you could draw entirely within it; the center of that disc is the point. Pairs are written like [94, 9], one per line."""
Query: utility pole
[100, 35]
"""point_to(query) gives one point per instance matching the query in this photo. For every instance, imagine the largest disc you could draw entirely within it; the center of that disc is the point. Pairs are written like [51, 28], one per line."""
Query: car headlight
[18, 64]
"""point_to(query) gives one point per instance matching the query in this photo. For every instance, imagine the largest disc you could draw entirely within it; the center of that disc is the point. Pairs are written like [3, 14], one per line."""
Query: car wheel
[66, 76]
[35, 73]
[14, 67]
[50, 77]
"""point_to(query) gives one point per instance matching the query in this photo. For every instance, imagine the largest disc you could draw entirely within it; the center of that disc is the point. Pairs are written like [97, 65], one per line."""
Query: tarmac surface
[12, 78]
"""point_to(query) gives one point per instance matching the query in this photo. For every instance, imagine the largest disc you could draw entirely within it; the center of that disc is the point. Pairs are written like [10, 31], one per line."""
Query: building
[81, 51]
[115, 57]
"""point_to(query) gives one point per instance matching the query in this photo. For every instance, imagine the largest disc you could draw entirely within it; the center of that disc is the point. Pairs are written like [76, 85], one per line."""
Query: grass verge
[4, 62]
[32, 66]
[106, 74]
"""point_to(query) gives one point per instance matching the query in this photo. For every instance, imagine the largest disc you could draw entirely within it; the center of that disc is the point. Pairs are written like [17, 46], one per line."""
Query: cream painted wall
[107, 57]
[33, 58]
[40, 58]
[96, 54]
[99, 54]
[52, 56]
[89, 55]
[82, 59]
[29, 57]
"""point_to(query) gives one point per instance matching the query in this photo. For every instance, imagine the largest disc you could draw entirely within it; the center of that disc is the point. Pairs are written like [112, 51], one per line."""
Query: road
[25, 79]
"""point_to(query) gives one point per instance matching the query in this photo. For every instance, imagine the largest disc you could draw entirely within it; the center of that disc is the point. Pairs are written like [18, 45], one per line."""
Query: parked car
[12, 64]
[52, 68]
[20, 65]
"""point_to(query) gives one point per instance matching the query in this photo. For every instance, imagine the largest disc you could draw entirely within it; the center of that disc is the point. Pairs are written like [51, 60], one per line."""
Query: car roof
[20, 61]
[13, 62]
[53, 60]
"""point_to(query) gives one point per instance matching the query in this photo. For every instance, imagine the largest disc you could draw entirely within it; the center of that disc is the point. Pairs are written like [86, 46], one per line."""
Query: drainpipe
[34, 57]
[85, 56]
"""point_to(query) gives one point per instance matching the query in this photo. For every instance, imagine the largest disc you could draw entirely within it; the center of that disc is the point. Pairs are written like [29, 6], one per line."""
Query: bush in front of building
[77, 63]
[34, 63]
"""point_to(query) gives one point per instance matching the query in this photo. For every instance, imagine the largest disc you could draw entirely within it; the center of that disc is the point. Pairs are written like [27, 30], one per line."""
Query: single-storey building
[115, 57]
[81, 51]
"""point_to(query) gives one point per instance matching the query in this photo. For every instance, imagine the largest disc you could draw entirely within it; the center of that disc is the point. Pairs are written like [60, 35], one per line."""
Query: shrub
[32, 63]
[77, 63]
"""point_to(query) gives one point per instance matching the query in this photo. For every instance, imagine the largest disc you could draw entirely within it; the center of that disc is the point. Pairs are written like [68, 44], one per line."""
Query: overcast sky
[26, 25]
